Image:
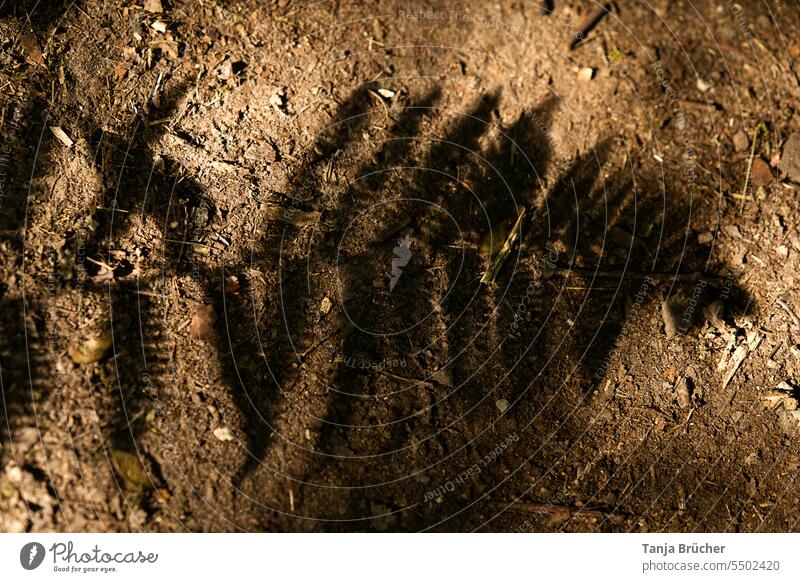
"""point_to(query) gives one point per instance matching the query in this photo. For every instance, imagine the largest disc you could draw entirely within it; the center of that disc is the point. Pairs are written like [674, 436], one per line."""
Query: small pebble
[790, 160]
[223, 434]
[740, 141]
[14, 474]
[683, 392]
[153, 6]
[203, 321]
[732, 230]
[704, 238]
[761, 174]
[325, 306]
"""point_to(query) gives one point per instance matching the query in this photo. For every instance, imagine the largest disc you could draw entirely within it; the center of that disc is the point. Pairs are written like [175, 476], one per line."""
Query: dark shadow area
[608, 232]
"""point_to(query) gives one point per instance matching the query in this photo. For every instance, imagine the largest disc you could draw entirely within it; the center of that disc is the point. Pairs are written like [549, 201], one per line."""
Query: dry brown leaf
[129, 467]
[30, 46]
[88, 351]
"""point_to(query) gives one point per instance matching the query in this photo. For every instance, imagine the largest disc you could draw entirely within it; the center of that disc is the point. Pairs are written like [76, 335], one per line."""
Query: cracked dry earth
[243, 246]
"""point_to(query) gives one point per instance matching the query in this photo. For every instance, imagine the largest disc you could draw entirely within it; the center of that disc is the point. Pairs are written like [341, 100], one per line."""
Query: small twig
[700, 105]
[187, 242]
[790, 311]
[100, 264]
[756, 133]
[423, 383]
[588, 23]
[382, 102]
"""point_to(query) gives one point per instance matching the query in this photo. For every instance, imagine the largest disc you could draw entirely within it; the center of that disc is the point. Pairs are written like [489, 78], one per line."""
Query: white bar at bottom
[400, 557]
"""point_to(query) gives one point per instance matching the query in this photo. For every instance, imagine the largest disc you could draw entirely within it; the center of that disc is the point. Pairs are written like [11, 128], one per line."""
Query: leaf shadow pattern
[616, 242]
[603, 226]
[134, 183]
[295, 355]
[350, 412]
[26, 345]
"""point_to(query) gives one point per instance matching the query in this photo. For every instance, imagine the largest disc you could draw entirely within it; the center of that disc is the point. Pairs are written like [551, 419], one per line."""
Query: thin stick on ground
[760, 128]
[497, 262]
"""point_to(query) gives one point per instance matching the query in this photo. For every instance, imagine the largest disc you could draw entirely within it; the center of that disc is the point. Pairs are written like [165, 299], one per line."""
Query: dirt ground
[246, 274]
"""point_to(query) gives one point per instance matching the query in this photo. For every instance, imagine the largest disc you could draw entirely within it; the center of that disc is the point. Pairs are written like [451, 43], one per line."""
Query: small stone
[325, 306]
[223, 434]
[159, 26]
[203, 321]
[586, 74]
[761, 174]
[386, 93]
[683, 392]
[740, 141]
[671, 311]
[783, 251]
[732, 230]
[702, 85]
[14, 475]
[790, 160]
[502, 405]
[153, 6]
[704, 238]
